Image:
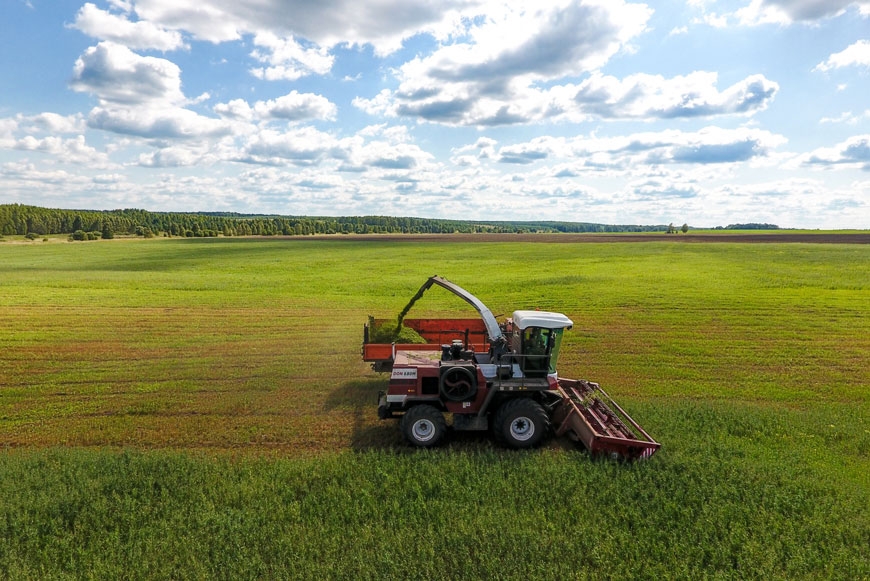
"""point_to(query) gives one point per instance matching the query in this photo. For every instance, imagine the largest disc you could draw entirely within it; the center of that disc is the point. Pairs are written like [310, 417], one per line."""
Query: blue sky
[708, 112]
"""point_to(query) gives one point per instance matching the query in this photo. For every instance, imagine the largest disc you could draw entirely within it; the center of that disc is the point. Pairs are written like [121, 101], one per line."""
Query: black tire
[458, 383]
[423, 426]
[521, 423]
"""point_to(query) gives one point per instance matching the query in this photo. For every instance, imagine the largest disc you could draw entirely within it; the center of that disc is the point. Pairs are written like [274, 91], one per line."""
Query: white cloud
[377, 151]
[525, 153]
[51, 123]
[156, 122]
[812, 9]
[785, 12]
[138, 95]
[288, 60]
[184, 155]
[237, 109]
[658, 189]
[548, 41]
[206, 20]
[383, 24]
[125, 6]
[762, 12]
[299, 145]
[851, 153]
[386, 155]
[104, 25]
[847, 117]
[715, 20]
[296, 107]
[486, 80]
[73, 150]
[293, 106]
[42, 133]
[8, 126]
[777, 12]
[643, 96]
[794, 201]
[380, 104]
[28, 177]
[115, 74]
[638, 152]
[472, 155]
[110, 179]
[638, 96]
[856, 54]
[489, 77]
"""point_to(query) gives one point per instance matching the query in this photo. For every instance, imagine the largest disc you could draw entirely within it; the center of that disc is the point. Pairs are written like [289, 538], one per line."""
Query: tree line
[749, 226]
[18, 219]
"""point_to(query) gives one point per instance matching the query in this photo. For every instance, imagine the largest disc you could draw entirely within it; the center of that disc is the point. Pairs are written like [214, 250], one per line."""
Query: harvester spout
[493, 330]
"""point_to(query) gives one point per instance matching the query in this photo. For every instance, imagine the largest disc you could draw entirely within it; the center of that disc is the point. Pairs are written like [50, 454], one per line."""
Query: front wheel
[423, 426]
[521, 423]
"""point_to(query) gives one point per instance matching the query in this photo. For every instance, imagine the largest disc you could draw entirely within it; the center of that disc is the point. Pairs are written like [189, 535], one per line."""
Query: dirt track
[803, 238]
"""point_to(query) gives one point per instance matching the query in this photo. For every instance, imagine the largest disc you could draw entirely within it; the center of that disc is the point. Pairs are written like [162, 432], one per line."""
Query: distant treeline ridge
[23, 220]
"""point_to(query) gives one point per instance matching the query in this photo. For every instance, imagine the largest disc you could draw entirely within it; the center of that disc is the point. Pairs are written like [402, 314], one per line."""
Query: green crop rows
[198, 409]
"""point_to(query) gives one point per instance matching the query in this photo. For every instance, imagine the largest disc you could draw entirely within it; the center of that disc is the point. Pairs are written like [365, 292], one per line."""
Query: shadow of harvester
[359, 399]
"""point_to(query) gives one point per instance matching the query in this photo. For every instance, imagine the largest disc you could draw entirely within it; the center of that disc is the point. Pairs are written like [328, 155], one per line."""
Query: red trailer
[498, 377]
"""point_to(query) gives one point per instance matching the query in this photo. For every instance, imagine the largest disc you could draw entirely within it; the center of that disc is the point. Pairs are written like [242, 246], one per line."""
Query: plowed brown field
[801, 238]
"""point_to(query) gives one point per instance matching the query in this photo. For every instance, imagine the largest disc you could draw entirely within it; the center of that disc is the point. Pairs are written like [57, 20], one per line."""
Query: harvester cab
[535, 338]
[502, 378]
[527, 349]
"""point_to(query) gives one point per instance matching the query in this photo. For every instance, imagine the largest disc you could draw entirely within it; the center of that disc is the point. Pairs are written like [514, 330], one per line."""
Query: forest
[18, 219]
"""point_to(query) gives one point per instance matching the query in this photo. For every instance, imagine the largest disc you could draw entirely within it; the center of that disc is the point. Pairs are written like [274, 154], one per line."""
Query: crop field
[198, 409]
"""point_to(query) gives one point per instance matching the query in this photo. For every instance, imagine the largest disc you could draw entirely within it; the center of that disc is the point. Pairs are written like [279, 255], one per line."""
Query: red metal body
[415, 375]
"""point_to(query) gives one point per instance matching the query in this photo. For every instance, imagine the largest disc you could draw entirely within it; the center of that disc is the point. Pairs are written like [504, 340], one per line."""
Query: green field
[197, 408]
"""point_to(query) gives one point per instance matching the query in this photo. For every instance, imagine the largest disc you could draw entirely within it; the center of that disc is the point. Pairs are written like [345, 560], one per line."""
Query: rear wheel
[423, 426]
[521, 423]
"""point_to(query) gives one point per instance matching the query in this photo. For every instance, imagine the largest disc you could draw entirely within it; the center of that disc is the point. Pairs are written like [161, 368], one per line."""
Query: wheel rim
[423, 430]
[522, 428]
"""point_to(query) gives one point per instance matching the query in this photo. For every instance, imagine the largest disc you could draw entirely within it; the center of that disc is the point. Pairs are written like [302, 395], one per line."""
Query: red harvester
[497, 377]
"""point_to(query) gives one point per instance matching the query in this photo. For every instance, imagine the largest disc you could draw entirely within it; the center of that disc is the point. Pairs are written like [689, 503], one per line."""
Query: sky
[705, 112]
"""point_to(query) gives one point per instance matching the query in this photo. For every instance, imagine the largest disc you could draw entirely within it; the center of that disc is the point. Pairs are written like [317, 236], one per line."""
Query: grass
[198, 409]
[441, 514]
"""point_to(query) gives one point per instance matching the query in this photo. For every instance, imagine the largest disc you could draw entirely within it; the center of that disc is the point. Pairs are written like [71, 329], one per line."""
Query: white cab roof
[545, 319]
